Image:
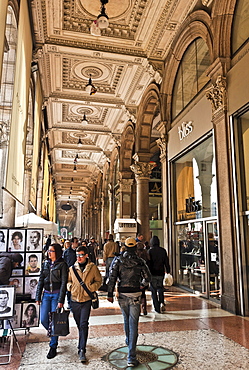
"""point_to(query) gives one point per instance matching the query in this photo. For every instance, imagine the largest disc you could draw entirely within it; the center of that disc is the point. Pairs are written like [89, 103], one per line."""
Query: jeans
[130, 308]
[81, 313]
[49, 304]
[157, 290]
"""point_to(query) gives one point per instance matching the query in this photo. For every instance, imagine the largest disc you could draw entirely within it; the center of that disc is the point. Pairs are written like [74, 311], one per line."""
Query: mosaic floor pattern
[196, 349]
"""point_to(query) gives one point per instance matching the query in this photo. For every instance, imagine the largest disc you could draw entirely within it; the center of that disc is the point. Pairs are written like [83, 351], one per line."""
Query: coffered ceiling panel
[122, 62]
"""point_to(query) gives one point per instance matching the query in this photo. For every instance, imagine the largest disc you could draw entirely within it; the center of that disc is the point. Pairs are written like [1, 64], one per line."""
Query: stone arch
[198, 24]
[148, 107]
[127, 147]
[222, 15]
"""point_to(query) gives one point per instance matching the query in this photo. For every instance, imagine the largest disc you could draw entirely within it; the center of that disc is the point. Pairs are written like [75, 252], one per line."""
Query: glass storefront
[241, 130]
[196, 231]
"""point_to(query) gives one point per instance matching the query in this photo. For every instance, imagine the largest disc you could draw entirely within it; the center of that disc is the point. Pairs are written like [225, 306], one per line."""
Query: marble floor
[196, 331]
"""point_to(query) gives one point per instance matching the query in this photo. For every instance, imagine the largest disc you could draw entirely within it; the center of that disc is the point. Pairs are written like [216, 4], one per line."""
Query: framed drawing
[17, 282]
[16, 320]
[34, 240]
[16, 241]
[17, 272]
[30, 315]
[33, 263]
[7, 301]
[3, 240]
[31, 285]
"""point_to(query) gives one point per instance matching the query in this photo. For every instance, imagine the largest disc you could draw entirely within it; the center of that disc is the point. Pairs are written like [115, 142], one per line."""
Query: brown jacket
[109, 248]
[91, 277]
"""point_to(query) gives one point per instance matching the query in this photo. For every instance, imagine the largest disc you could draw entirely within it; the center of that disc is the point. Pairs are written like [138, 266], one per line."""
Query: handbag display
[93, 295]
[58, 323]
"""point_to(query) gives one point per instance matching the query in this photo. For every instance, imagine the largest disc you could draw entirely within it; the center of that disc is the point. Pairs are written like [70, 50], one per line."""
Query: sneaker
[134, 363]
[51, 353]
[162, 308]
[82, 356]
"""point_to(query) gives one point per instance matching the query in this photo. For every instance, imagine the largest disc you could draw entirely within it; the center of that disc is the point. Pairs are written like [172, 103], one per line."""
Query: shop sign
[185, 129]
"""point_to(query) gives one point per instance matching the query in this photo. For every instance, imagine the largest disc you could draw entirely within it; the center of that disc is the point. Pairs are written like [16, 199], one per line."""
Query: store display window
[195, 183]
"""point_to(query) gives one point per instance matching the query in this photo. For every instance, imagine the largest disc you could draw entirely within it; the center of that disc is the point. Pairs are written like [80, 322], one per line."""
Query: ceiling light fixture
[75, 168]
[90, 88]
[72, 180]
[103, 19]
[80, 144]
[84, 121]
[94, 29]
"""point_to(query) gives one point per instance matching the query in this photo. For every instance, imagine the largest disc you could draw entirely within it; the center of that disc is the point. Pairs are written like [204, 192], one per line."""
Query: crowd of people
[130, 269]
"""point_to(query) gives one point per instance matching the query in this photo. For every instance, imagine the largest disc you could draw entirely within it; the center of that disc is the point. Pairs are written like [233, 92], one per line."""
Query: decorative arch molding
[198, 24]
[114, 158]
[222, 15]
[126, 149]
[150, 103]
[14, 4]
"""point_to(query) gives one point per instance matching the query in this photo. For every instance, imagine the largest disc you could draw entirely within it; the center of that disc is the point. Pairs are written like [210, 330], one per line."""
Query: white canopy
[33, 221]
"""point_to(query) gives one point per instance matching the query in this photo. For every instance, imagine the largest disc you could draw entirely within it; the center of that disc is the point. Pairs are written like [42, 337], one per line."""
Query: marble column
[125, 197]
[142, 171]
[162, 144]
[110, 196]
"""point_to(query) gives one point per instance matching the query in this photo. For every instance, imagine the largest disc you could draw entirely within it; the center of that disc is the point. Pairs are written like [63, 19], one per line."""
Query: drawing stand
[4, 334]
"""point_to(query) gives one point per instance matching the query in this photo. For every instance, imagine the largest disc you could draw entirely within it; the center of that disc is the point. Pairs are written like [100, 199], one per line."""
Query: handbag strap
[82, 283]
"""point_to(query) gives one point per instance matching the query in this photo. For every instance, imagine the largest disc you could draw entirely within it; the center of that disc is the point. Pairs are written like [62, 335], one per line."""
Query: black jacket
[69, 256]
[159, 261]
[131, 272]
[6, 267]
[53, 277]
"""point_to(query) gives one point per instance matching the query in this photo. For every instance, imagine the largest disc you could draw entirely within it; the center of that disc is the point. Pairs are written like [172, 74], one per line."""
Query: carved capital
[125, 185]
[28, 164]
[142, 169]
[162, 144]
[4, 132]
[217, 95]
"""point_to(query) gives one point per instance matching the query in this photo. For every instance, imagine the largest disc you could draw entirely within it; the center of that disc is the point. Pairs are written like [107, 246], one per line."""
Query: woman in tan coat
[80, 300]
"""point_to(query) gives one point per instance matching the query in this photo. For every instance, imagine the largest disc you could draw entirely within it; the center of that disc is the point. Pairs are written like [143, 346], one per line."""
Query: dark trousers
[81, 312]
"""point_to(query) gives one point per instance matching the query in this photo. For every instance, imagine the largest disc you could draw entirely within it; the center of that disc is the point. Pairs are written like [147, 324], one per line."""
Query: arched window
[6, 93]
[240, 30]
[191, 76]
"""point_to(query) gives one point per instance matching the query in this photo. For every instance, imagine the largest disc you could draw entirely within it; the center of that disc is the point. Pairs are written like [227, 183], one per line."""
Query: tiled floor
[187, 318]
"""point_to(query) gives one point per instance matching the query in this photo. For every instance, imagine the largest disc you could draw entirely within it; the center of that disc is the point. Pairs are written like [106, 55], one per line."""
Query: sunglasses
[50, 251]
[80, 255]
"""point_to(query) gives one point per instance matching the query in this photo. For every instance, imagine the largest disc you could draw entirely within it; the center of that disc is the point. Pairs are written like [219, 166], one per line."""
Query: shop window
[195, 183]
[191, 76]
[240, 29]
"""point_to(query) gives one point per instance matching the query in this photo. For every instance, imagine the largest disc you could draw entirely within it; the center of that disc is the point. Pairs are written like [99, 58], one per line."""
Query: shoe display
[51, 353]
[134, 363]
[82, 356]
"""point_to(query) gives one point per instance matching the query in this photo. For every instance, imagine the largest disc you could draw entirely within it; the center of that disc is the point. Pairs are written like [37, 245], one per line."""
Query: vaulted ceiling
[122, 62]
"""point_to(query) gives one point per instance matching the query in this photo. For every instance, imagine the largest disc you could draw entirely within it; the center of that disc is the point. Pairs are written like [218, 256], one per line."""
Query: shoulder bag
[93, 295]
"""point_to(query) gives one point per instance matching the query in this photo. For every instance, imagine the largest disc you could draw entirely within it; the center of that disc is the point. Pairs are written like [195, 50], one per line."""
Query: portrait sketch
[3, 239]
[34, 240]
[7, 301]
[16, 320]
[17, 282]
[16, 240]
[30, 315]
[31, 285]
[33, 263]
